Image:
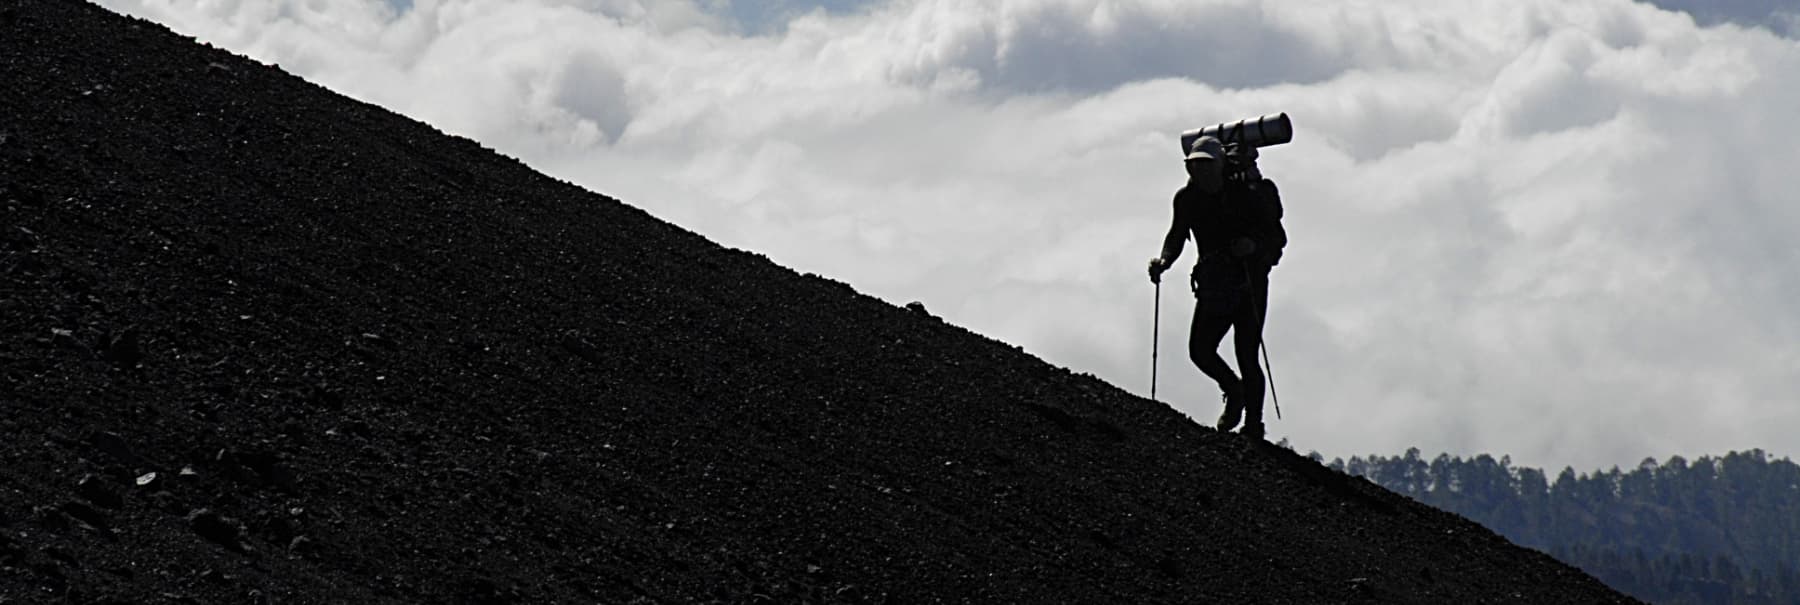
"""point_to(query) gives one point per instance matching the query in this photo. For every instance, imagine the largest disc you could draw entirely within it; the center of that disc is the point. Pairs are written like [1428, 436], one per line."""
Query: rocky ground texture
[263, 343]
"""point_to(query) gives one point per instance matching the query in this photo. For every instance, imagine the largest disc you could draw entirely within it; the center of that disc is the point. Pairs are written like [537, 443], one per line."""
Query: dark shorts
[1222, 288]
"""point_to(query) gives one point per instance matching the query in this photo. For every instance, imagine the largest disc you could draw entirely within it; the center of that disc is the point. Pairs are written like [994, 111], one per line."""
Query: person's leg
[1203, 347]
[1246, 340]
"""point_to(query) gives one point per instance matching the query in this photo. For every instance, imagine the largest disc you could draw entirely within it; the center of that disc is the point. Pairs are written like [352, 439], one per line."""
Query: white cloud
[1552, 229]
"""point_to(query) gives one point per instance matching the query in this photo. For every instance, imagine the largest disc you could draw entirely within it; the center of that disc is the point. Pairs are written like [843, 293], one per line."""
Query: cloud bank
[1559, 230]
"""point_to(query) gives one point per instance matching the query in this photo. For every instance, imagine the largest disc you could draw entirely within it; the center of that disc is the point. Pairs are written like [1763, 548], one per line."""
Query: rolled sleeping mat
[1272, 129]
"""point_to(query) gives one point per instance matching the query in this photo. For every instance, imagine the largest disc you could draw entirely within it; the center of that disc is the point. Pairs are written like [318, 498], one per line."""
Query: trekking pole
[1271, 372]
[1262, 318]
[1155, 337]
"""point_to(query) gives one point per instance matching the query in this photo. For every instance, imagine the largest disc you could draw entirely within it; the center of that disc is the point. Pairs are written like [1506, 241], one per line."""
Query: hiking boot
[1234, 412]
[1252, 430]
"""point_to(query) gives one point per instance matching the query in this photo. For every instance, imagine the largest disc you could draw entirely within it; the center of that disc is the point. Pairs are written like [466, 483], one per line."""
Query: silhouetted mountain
[263, 343]
[1717, 531]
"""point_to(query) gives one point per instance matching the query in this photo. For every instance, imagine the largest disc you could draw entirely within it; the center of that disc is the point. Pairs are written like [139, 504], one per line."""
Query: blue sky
[771, 15]
[1775, 15]
[1555, 229]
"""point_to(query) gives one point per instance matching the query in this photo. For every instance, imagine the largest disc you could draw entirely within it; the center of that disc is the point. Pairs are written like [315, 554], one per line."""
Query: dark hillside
[263, 343]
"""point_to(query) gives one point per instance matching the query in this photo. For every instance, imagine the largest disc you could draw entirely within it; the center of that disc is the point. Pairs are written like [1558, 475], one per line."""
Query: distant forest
[1713, 531]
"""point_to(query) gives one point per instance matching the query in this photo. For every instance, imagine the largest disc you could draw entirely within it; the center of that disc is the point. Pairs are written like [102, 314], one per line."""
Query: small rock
[113, 445]
[489, 590]
[380, 341]
[147, 479]
[62, 555]
[261, 466]
[66, 338]
[167, 502]
[95, 490]
[122, 349]
[216, 529]
[205, 411]
[50, 518]
[83, 513]
[359, 429]
[325, 396]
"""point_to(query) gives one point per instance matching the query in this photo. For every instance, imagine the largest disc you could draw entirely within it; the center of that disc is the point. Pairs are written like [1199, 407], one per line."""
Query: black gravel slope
[263, 343]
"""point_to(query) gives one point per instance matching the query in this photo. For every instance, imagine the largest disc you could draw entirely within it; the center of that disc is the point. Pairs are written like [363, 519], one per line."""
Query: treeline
[1719, 531]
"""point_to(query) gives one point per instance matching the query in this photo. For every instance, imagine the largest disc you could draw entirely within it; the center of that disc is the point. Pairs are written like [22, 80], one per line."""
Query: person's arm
[1173, 242]
[1177, 237]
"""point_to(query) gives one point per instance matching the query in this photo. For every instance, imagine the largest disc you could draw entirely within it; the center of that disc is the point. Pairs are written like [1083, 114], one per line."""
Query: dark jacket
[1216, 220]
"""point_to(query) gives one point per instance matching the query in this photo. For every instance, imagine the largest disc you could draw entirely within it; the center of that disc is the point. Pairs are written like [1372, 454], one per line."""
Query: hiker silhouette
[1234, 216]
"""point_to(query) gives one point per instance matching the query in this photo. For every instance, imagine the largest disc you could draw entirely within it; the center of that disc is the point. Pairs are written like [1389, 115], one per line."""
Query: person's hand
[1242, 247]
[1157, 267]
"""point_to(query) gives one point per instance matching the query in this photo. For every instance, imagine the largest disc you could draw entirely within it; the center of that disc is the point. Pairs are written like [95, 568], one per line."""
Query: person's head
[1206, 163]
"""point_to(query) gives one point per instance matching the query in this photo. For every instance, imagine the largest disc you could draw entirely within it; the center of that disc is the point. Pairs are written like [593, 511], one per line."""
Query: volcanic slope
[263, 343]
